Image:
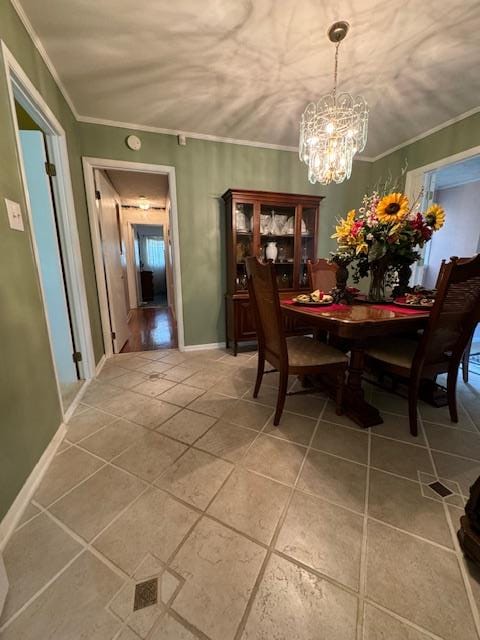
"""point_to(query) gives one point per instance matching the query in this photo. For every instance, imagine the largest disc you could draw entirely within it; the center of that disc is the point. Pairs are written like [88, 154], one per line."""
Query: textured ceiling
[130, 185]
[245, 69]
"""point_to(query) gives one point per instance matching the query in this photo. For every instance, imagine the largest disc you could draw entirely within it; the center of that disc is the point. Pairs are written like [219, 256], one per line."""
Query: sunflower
[392, 208]
[435, 216]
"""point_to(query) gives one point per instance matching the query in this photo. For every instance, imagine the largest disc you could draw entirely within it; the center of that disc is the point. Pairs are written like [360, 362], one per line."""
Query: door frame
[89, 166]
[133, 272]
[20, 88]
[418, 178]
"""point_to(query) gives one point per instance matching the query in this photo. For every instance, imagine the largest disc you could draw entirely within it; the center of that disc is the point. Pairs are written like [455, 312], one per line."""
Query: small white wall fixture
[89, 166]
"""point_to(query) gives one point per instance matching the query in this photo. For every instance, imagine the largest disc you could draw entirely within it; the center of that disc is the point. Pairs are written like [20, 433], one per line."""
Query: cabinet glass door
[243, 232]
[277, 241]
[308, 249]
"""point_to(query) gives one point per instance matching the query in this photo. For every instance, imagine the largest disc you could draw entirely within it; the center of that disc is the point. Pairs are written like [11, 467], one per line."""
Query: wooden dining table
[358, 324]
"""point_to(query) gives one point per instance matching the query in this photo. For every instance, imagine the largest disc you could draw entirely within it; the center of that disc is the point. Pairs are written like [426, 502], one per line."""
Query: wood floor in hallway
[151, 328]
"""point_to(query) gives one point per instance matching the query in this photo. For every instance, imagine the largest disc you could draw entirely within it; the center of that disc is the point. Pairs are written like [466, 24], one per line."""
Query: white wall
[460, 235]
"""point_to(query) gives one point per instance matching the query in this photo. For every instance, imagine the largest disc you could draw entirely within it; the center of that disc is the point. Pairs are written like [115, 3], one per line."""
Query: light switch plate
[14, 215]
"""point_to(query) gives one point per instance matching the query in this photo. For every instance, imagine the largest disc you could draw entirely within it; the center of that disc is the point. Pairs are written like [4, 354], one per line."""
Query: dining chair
[322, 275]
[297, 355]
[466, 353]
[440, 348]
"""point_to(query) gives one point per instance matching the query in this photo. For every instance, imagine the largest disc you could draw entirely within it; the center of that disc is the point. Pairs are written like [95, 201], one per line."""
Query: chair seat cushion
[308, 352]
[395, 351]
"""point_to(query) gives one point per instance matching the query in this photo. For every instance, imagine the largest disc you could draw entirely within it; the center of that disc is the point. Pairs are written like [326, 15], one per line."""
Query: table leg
[356, 407]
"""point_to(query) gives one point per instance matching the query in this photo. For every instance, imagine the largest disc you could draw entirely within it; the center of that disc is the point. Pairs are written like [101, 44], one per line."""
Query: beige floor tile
[220, 568]
[247, 414]
[404, 572]
[155, 523]
[324, 537]
[92, 506]
[388, 402]
[343, 442]
[460, 470]
[181, 395]
[127, 634]
[227, 441]
[129, 380]
[170, 629]
[379, 625]
[307, 405]
[292, 427]
[33, 555]
[400, 503]
[295, 604]
[329, 415]
[441, 415]
[65, 471]
[179, 373]
[398, 428]
[462, 443]
[233, 385]
[154, 368]
[266, 396]
[150, 412]
[213, 404]
[195, 477]
[134, 362]
[75, 601]
[400, 458]
[99, 393]
[86, 423]
[187, 425]
[110, 371]
[112, 440]
[275, 458]
[206, 379]
[30, 512]
[334, 479]
[150, 455]
[141, 620]
[153, 388]
[250, 503]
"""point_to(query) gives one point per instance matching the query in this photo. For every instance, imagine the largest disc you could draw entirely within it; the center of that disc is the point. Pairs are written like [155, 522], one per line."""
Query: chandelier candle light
[334, 129]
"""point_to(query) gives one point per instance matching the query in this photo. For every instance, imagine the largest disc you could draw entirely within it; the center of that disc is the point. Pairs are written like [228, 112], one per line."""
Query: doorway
[43, 160]
[134, 226]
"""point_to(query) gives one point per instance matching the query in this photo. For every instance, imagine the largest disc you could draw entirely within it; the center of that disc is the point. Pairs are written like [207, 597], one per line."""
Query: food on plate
[423, 298]
[317, 297]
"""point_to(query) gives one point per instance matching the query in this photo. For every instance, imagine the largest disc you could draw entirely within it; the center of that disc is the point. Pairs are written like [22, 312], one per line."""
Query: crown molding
[44, 55]
[420, 136]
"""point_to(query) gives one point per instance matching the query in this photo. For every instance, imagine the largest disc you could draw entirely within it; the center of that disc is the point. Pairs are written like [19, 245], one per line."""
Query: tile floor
[316, 529]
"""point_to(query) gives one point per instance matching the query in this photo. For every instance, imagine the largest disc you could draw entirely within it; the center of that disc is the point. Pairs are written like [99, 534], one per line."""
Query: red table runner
[341, 307]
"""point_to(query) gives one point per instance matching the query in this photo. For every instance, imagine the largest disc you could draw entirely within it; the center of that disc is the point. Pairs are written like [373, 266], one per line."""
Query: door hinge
[77, 356]
[98, 195]
[50, 169]
[114, 335]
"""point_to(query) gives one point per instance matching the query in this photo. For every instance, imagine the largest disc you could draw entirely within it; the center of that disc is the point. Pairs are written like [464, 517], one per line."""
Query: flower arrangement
[383, 238]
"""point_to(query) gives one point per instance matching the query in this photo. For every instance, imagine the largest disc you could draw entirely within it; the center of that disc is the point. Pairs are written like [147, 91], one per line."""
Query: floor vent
[146, 594]
[441, 489]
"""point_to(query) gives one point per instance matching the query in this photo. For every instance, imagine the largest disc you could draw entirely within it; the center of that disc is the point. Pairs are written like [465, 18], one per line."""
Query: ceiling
[245, 69]
[458, 173]
[130, 185]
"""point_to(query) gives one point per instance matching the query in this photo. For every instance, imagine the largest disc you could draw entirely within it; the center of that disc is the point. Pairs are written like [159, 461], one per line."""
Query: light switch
[14, 215]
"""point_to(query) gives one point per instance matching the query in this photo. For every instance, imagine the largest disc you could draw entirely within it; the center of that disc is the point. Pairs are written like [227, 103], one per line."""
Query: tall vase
[378, 272]
[271, 251]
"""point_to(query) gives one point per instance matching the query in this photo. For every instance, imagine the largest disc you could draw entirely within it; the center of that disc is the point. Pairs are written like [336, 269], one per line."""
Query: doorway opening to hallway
[133, 223]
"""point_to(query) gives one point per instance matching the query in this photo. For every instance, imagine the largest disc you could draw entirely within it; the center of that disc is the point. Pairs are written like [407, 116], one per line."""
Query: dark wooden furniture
[357, 323]
[298, 355]
[146, 283]
[296, 235]
[322, 275]
[440, 348]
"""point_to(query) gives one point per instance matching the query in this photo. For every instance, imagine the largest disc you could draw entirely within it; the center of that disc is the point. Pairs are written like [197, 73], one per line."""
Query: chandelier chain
[335, 73]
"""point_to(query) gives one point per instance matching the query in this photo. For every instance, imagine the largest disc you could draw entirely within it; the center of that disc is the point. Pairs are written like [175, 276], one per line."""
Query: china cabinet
[281, 227]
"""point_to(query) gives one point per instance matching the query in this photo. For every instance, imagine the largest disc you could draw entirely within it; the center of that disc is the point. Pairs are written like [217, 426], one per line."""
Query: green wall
[204, 170]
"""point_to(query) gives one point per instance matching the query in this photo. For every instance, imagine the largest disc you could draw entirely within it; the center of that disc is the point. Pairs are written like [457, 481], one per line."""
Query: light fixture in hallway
[143, 203]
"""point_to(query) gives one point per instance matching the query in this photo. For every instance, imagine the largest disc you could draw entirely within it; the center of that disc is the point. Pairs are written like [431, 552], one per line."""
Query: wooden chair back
[264, 297]
[454, 315]
[322, 275]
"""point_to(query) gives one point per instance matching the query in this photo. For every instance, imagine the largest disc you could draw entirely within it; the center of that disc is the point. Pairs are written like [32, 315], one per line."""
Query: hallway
[151, 328]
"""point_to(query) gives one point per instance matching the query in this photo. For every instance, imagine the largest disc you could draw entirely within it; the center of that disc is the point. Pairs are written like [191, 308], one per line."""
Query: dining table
[357, 325]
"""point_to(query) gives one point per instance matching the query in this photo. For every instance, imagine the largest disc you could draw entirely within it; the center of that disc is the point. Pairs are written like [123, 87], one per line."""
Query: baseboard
[76, 401]
[204, 347]
[100, 365]
[9, 522]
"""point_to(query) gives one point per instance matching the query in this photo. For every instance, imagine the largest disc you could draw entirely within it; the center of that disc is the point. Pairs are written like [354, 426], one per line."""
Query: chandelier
[334, 129]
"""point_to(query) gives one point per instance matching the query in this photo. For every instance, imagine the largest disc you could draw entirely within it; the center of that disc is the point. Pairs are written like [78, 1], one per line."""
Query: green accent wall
[204, 170]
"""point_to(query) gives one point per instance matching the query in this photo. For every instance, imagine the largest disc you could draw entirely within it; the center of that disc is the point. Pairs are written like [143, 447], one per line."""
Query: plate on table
[421, 303]
[315, 299]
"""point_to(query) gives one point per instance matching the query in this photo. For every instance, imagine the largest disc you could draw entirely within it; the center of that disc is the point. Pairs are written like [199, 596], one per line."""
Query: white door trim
[89, 165]
[21, 88]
